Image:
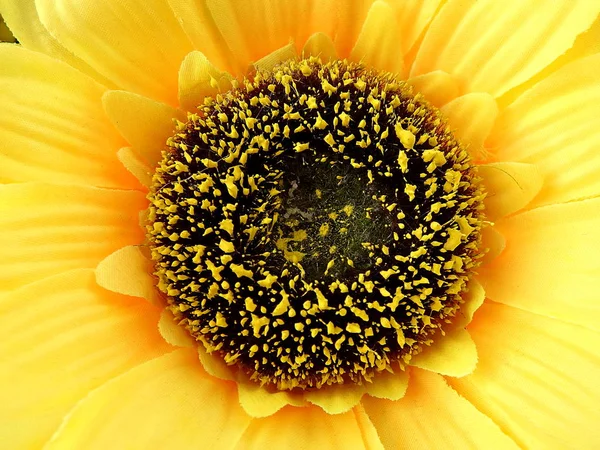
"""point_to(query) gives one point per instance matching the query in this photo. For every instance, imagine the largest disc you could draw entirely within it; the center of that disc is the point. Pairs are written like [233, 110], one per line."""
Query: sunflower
[300, 224]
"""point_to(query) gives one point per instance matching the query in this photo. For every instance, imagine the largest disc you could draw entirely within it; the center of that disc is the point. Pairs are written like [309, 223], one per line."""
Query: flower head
[347, 225]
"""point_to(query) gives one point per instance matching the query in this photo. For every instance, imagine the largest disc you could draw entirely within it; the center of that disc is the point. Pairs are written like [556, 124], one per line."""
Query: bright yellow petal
[586, 44]
[173, 333]
[136, 166]
[555, 125]
[537, 378]
[493, 242]
[46, 229]
[379, 41]
[413, 16]
[127, 271]
[145, 123]
[53, 126]
[391, 386]
[337, 398]
[433, 416]
[170, 401]
[438, 87]
[321, 46]
[276, 57]
[510, 186]
[239, 23]
[199, 25]
[138, 44]
[350, 16]
[367, 429]
[199, 78]
[472, 117]
[493, 47]
[257, 401]
[24, 22]
[473, 299]
[551, 265]
[60, 338]
[215, 365]
[454, 354]
[308, 428]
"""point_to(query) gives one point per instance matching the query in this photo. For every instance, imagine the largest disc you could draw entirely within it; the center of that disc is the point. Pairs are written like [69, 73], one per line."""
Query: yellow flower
[105, 343]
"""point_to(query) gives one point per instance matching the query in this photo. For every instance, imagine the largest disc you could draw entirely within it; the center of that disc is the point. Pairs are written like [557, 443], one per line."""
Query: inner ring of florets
[315, 224]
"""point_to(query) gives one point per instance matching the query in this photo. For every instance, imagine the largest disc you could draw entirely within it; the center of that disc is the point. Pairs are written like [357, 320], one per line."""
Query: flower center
[315, 225]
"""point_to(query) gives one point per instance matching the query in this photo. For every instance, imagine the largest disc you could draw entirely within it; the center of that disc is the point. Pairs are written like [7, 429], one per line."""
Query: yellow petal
[268, 62]
[215, 365]
[391, 386]
[200, 27]
[199, 78]
[550, 265]
[59, 339]
[127, 271]
[257, 401]
[170, 400]
[472, 117]
[437, 87]
[433, 416]
[337, 398]
[555, 126]
[493, 47]
[413, 16]
[493, 242]
[138, 45]
[303, 429]
[173, 333]
[586, 44]
[510, 186]
[350, 16]
[145, 123]
[473, 299]
[46, 229]
[24, 22]
[277, 23]
[367, 429]
[321, 46]
[53, 126]
[379, 40]
[537, 377]
[136, 166]
[454, 354]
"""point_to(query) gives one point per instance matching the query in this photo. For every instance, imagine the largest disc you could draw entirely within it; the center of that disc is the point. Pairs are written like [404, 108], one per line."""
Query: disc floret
[316, 224]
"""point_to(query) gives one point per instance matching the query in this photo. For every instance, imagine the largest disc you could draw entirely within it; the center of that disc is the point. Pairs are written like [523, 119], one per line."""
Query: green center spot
[332, 220]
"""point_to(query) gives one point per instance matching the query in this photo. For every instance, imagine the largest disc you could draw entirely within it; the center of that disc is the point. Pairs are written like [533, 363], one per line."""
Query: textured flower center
[315, 225]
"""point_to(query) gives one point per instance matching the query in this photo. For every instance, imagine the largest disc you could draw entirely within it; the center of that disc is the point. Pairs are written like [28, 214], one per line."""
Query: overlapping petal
[555, 126]
[169, 393]
[145, 123]
[550, 265]
[306, 428]
[24, 22]
[127, 271]
[469, 39]
[46, 229]
[433, 416]
[226, 31]
[60, 338]
[137, 45]
[536, 377]
[52, 126]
